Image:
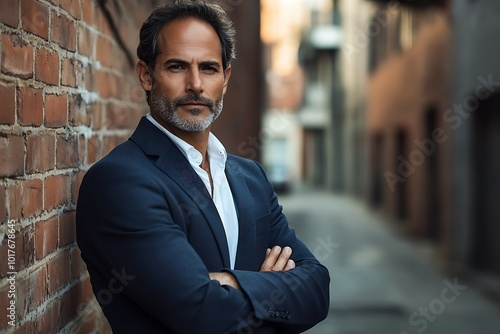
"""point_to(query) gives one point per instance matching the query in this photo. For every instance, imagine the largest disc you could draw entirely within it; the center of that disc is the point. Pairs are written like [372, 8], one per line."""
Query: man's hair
[211, 13]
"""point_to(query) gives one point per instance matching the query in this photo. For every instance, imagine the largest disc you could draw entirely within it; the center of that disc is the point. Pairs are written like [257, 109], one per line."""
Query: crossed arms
[277, 259]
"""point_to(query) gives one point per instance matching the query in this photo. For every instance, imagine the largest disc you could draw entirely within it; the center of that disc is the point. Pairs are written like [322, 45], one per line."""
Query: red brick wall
[68, 95]
[400, 92]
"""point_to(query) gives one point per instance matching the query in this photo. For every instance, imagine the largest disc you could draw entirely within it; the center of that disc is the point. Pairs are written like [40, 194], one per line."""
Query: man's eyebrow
[176, 61]
[180, 61]
[210, 63]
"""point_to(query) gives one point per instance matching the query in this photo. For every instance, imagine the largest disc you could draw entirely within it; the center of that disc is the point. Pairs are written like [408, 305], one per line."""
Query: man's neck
[199, 139]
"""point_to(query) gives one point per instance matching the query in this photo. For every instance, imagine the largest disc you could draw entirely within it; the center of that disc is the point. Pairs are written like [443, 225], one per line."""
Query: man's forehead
[188, 37]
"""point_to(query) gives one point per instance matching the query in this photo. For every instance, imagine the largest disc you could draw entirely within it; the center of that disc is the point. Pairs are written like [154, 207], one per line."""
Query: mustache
[193, 98]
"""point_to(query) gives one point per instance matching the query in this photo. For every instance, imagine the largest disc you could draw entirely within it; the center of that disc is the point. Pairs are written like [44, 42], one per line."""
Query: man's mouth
[194, 104]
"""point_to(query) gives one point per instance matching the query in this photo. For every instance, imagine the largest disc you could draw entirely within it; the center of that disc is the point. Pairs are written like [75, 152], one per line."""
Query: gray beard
[167, 110]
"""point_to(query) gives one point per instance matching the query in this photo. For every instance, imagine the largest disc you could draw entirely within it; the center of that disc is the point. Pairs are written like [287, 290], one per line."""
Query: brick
[48, 320]
[40, 153]
[82, 144]
[117, 117]
[106, 84]
[97, 116]
[30, 106]
[86, 42]
[104, 52]
[9, 12]
[46, 237]
[63, 31]
[25, 198]
[32, 198]
[12, 157]
[58, 270]
[17, 56]
[137, 94]
[70, 302]
[47, 66]
[67, 228]
[32, 291]
[110, 142]
[28, 327]
[8, 102]
[3, 203]
[79, 113]
[68, 77]
[72, 7]
[82, 80]
[88, 78]
[24, 256]
[87, 293]
[114, 83]
[93, 149]
[75, 186]
[103, 24]
[4, 303]
[78, 267]
[67, 151]
[56, 191]
[56, 111]
[35, 17]
[89, 13]
[15, 195]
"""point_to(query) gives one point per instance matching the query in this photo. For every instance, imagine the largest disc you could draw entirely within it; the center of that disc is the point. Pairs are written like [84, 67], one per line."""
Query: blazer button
[271, 312]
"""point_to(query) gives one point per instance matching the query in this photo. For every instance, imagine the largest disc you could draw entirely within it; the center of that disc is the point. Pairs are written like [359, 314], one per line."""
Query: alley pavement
[380, 282]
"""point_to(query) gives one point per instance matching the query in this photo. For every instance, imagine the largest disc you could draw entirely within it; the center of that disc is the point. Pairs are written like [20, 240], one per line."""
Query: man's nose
[194, 83]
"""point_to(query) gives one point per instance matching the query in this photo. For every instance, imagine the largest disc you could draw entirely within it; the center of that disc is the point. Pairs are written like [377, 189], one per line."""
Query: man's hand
[225, 278]
[278, 259]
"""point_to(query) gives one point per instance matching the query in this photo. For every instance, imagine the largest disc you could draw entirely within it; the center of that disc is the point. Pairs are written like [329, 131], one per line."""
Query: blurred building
[244, 102]
[419, 87]
[476, 140]
[300, 44]
[393, 102]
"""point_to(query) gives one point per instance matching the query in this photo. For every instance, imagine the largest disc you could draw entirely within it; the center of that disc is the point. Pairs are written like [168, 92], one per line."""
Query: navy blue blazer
[150, 233]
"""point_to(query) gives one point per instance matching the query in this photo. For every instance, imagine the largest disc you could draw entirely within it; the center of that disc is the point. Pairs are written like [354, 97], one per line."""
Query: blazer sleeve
[124, 225]
[294, 300]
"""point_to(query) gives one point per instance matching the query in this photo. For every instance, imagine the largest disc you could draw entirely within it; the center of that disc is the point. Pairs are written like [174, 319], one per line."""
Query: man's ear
[145, 78]
[227, 75]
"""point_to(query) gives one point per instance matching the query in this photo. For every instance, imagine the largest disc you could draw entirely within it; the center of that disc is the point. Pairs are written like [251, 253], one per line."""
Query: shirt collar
[216, 150]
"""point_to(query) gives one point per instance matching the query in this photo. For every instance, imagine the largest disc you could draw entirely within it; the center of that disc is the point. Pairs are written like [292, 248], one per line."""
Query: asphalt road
[381, 283]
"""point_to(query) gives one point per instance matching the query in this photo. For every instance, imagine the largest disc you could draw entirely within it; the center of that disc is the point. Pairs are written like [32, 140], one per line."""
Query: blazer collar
[175, 165]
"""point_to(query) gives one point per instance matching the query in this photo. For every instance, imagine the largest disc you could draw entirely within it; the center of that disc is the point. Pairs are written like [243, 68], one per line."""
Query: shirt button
[194, 156]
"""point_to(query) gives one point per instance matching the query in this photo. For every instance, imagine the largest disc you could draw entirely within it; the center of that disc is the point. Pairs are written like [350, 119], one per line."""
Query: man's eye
[176, 67]
[210, 69]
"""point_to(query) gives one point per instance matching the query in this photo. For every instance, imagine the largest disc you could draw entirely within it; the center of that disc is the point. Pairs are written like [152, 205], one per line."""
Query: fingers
[271, 257]
[283, 258]
[289, 265]
[278, 259]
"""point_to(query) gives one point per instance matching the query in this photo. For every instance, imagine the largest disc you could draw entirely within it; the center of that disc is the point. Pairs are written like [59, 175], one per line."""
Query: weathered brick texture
[68, 95]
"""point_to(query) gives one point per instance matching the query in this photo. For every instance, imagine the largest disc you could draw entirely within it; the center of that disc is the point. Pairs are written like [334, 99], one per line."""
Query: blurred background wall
[394, 103]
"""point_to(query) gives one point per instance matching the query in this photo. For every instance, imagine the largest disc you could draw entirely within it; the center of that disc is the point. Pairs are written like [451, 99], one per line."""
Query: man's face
[188, 82]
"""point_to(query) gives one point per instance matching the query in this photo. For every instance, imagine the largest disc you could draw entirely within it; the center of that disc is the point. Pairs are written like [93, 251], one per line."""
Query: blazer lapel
[174, 164]
[244, 208]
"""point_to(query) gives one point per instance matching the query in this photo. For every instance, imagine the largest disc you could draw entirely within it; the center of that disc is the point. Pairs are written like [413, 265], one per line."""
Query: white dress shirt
[221, 194]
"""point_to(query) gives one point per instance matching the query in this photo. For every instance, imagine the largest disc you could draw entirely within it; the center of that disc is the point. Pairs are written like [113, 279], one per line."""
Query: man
[178, 236]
